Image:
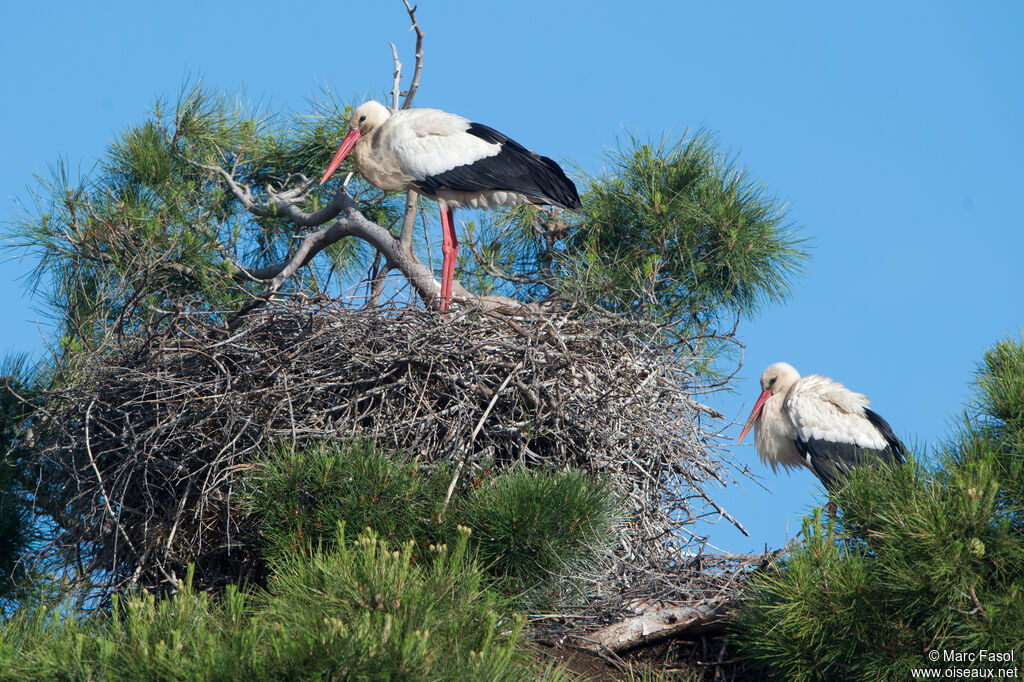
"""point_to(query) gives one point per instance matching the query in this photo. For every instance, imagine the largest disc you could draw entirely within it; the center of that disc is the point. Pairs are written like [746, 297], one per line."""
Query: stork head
[364, 119]
[775, 380]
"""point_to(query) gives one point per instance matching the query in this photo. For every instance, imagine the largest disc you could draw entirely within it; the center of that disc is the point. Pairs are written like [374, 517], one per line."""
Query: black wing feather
[896, 451]
[832, 461]
[513, 169]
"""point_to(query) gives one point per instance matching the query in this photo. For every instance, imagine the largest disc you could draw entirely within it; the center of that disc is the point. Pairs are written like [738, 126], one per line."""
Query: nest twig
[148, 446]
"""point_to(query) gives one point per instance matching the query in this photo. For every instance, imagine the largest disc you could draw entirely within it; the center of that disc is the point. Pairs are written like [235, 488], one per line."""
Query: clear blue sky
[895, 132]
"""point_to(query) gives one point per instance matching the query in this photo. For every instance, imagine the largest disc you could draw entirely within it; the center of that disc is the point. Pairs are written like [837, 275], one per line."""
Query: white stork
[452, 160]
[818, 423]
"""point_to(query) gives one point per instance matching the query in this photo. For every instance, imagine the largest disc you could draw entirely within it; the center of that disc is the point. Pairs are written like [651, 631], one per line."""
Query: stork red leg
[450, 249]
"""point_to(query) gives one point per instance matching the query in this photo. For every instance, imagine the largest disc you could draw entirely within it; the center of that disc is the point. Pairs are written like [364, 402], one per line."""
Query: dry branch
[396, 88]
[418, 69]
[655, 625]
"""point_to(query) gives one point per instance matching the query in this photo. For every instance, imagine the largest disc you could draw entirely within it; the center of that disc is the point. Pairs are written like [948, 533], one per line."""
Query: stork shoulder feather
[429, 142]
[826, 410]
[425, 122]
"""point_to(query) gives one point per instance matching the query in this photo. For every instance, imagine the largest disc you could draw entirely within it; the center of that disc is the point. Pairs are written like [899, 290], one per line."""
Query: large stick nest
[148, 445]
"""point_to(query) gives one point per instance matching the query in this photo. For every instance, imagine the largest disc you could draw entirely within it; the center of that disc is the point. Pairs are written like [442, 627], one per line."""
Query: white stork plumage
[818, 423]
[452, 160]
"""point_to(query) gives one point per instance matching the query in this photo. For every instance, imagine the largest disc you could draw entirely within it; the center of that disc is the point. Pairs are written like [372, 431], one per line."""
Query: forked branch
[418, 69]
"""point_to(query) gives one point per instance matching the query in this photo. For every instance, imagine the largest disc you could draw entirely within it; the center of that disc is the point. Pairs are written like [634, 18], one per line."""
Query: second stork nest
[148, 446]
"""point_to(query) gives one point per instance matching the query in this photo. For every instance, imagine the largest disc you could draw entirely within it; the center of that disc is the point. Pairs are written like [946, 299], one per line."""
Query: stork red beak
[755, 414]
[346, 146]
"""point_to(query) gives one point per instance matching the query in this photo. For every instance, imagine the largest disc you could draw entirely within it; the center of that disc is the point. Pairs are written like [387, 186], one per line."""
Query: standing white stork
[452, 160]
[815, 422]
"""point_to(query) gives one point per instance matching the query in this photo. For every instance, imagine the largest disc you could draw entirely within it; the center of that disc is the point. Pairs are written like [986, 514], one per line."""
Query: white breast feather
[774, 436]
[826, 410]
[429, 142]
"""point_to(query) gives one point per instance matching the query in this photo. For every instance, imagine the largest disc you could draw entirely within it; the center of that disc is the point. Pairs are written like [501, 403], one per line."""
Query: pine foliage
[676, 233]
[154, 228]
[530, 529]
[360, 610]
[369, 607]
[918, 561]
[299, 494]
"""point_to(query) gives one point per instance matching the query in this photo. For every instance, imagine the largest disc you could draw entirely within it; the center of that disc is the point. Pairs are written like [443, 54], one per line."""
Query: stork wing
[442, 151]
[514, 169]
[429, 142]
[835, 432]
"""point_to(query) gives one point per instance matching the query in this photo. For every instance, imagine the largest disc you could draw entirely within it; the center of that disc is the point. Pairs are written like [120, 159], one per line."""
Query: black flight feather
[896, 451]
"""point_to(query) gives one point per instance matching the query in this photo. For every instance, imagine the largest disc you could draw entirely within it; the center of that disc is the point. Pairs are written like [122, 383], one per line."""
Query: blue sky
[894, 132]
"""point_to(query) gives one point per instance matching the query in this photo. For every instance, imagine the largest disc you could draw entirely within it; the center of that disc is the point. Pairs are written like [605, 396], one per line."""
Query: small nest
[148, 446]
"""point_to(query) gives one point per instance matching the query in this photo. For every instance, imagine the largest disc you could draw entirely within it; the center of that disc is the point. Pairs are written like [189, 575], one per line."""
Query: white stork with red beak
[820, 424]
[452, 160]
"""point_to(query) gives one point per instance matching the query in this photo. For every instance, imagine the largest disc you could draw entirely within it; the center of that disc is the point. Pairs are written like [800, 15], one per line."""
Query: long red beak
[755, 414]
[339, 156]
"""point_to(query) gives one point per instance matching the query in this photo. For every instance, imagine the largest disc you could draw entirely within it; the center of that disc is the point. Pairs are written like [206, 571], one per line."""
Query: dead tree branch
[397, 87]
[415, 85]
[656, 625]
[409, 219]
[397, 253]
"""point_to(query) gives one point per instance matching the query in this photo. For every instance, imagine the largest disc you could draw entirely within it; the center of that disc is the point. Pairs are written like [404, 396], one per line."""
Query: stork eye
[771, 382]
[362, 118]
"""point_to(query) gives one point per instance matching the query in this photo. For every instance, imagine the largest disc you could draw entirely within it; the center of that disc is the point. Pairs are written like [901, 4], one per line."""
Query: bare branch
[377, 285]
[281, 203]
[397, 253]
[284, 206]
[241, 193]
[371, 275]
[102, 488]
[414, 86]
[426, 240]
[397, 87]
[408, 219]
[654, 625]
[354, 224]
[706, 409]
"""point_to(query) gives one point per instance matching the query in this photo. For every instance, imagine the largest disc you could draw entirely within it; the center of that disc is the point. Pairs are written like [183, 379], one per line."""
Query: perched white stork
[452, 160]
[818, 423]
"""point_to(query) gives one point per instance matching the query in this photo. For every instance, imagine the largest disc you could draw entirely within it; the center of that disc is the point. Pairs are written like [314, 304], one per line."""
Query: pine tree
[210, 206]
